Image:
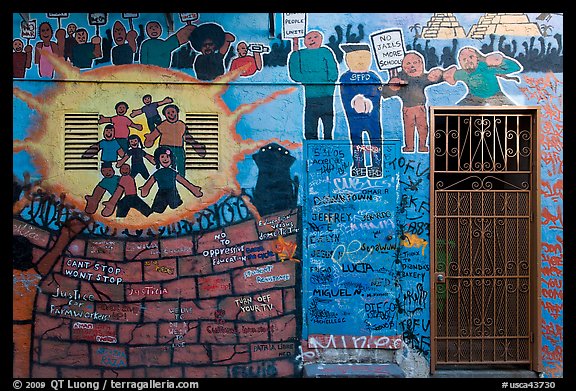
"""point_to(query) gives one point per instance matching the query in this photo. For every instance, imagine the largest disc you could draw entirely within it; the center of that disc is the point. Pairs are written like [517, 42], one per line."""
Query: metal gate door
[483, 171]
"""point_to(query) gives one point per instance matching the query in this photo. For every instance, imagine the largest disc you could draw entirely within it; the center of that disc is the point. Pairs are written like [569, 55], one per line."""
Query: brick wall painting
[230, 272]
[218, 303]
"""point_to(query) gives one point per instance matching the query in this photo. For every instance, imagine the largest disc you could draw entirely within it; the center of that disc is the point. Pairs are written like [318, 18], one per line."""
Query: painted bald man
[316, 68]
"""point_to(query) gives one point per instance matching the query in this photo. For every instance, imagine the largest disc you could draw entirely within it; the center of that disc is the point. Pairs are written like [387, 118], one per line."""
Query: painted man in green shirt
[315, 67]
[480, 73]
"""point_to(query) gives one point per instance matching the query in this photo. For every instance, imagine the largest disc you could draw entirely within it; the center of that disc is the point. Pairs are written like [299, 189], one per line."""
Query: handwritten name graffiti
[380, 315]
[114, 358]
[254, 370]
[341, 199]
[159, 268]
[317, 314]
[320, 275]
[351, 234]
[282, 349]
[354, 342]
[326, 238]
[336, 292]
[412, 240]
[95, 332]
[319, 345]
[25, 230]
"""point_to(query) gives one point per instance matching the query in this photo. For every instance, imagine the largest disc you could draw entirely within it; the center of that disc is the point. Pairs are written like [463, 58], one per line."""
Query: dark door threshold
[493, 371]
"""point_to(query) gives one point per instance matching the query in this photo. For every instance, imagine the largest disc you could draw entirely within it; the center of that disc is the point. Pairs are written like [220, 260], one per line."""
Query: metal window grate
[204, 128]
[80, 132]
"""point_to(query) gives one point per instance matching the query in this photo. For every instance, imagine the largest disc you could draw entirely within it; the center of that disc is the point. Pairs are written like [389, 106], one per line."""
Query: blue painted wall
[345, 245]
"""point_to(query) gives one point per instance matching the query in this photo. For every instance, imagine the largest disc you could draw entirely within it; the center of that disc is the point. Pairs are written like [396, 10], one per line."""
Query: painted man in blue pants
[361, 100]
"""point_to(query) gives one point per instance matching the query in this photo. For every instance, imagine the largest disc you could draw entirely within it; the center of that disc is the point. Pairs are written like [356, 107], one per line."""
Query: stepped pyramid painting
[503, 24]
[446, 26]
[443, 26]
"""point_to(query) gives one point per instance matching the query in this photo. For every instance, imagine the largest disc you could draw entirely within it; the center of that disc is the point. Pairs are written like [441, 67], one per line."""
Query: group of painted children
[118, 146]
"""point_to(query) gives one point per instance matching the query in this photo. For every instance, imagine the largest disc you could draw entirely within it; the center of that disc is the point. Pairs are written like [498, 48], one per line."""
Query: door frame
[535, 315]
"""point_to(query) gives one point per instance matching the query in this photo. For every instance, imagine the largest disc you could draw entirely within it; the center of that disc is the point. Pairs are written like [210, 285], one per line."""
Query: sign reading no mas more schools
[388, 48]
[293, 25]
[28, 29]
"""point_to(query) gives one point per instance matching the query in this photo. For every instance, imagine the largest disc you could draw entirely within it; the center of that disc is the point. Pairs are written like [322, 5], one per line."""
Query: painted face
[119, 33]
[147, 100]
[109, 133]
[121, 109]
[17, 45]
[165, 159]
[468, 59]
[359, 60]
[412, 65]
[171, 114]
[107, 172]
[45, 31]
[81, 36]
[208, 46]
[153, 29]
[125, 169]
[313, 40]
[242, 49]
[71, 29]
[134, 142]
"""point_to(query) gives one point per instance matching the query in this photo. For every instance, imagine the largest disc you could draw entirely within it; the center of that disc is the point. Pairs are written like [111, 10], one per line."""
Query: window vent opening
[80, 132]
[204, 128]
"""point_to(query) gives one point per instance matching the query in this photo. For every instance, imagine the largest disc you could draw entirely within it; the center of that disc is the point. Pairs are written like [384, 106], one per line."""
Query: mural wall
[240, 195]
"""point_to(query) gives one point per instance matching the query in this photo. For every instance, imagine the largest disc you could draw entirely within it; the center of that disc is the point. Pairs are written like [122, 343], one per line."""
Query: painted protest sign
[388, 48]
[293, 25]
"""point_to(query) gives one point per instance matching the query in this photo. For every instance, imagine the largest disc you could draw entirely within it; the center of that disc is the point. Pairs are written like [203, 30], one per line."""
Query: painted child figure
[166, 176]
[108, 183]
[150, 110]
[121, 123]
[137, 153]
[109, 146]
[130, 200]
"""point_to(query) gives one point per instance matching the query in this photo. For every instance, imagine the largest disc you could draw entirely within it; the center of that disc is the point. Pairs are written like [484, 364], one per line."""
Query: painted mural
[241, 195]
